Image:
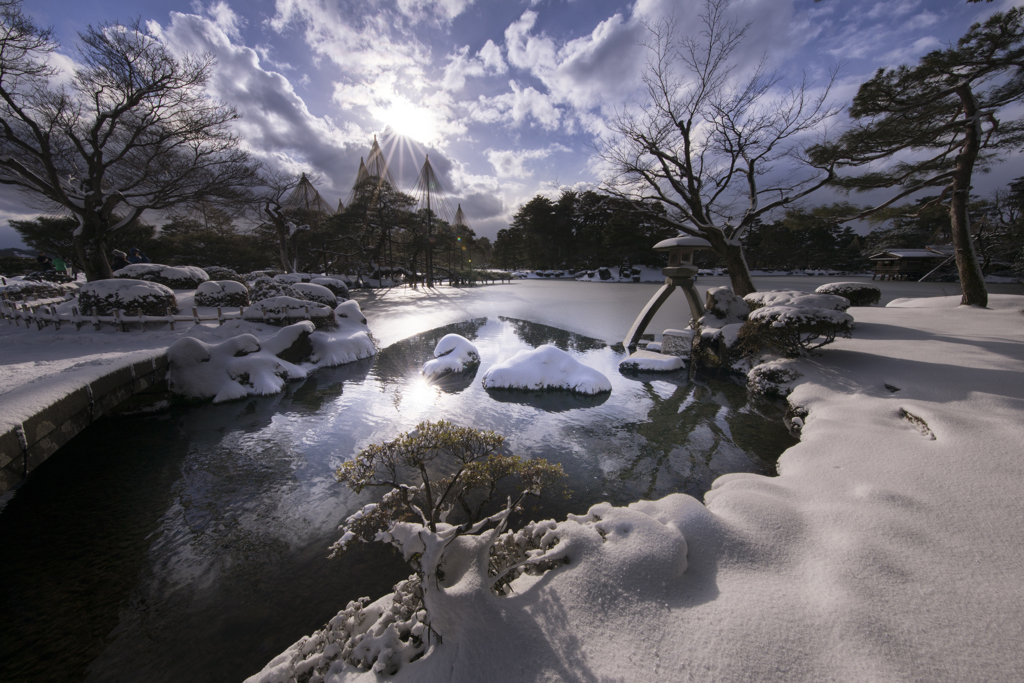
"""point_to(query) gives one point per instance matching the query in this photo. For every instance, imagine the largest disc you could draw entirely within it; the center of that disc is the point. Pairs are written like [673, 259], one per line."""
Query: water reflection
[192, 545]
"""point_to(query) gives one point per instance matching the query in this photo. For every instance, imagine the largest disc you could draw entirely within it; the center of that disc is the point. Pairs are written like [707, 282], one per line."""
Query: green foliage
[582, 230]
[459, 468]
[806, 239]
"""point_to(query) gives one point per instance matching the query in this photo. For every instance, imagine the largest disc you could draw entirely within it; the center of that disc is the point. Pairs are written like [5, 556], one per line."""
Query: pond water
[191, 544]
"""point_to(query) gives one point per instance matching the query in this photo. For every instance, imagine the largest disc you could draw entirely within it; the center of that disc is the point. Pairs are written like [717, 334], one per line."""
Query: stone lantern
[679, 272]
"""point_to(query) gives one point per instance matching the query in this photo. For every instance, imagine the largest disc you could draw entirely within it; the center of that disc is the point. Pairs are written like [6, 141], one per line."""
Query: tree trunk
[739, 274]
[92, 252]
[972, 282]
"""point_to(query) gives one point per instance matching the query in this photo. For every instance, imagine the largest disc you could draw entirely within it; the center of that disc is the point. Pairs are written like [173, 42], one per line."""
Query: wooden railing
[42, 312]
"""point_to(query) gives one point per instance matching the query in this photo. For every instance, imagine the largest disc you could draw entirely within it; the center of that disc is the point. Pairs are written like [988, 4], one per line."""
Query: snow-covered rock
[454, 353]
[237, 367]
[349, 341]
[175, 277]
[107, 296]
[858, 293]
[222, 293]
[646, 360]
[546, 367]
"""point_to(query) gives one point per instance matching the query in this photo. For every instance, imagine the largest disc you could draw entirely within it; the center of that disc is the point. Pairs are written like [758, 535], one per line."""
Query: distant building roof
[907, 253]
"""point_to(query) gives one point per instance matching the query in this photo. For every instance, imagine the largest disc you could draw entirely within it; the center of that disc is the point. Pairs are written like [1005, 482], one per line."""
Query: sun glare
[410, 120]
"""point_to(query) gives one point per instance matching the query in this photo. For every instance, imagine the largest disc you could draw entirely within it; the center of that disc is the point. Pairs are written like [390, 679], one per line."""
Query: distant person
[120, 260]
[45, 262]
[136, 256]
[60, 265]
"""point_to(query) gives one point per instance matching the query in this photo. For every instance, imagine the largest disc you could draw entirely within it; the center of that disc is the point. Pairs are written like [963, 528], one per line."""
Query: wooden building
[906, 264]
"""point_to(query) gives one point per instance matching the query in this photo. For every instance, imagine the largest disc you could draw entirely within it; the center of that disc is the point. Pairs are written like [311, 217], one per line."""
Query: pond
[191, 544]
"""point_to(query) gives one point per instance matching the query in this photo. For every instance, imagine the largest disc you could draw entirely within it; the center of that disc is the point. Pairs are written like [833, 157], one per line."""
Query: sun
[410, 120]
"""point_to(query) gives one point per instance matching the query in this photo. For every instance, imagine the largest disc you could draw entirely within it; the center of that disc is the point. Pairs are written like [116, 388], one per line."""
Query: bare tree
[707, 144]
[133, 131]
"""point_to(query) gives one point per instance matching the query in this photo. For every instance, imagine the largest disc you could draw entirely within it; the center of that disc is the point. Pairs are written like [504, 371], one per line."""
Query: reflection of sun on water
[418, 395]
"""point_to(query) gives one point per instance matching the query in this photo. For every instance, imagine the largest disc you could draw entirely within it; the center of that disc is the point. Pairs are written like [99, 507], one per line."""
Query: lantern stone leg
[679, 273]
[648, 312]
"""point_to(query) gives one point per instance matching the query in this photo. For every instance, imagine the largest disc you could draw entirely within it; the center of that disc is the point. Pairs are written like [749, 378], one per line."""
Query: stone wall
[25, 446]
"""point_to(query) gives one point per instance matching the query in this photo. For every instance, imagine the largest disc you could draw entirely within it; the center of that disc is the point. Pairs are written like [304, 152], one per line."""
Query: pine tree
[944, 111]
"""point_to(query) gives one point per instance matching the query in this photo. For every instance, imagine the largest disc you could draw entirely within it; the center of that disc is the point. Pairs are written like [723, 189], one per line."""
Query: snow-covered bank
[890, 547]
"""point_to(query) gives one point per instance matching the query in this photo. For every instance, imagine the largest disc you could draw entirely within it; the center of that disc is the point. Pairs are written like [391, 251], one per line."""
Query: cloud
[276, 124]
[441, 10]
[487, 61]
[223, 16]
[515, 107]
[512, 163]
[482, 206]
[363, 44]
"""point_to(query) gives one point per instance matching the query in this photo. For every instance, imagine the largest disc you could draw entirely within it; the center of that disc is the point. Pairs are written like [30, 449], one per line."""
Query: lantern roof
[683, 241]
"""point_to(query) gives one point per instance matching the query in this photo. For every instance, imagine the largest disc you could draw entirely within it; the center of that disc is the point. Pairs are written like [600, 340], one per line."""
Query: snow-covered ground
[891, 546]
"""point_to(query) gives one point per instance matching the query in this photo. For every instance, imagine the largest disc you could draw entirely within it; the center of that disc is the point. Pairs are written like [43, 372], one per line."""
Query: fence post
[220, 317]
[74, 317]
[142, 321]
[95, 319]
[195, 315]
[170, 317]
[56, 318]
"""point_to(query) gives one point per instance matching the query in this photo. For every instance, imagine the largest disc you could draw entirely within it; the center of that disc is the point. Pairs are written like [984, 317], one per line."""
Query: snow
[454, 353]
[648, 360]
[125, 290]
[217, 287]
[878, 553]
[546, 367]
[797, 299]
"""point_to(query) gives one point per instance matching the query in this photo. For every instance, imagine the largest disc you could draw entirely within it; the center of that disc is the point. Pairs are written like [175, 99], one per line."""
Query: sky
[509, 98]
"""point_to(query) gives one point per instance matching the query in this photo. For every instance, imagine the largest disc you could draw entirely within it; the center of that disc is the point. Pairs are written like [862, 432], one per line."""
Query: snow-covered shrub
[250, 277]
[546, 367]
[264, 287]
[223, 293]
[858, 293]
[792, 330]
[32, 289]
[293, 278]
[772, 379]
[175, 277]
[604, 273]
[284, 310]
[380, 636]
[237, 367]
[723, 308]
[454, 353]
[220, 274]
[336, 285]
[107, 296]
[795, 298]
[317, 293]
[466, 464]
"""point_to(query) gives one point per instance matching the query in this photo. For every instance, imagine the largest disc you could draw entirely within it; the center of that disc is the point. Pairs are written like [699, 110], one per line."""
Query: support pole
[647, 314]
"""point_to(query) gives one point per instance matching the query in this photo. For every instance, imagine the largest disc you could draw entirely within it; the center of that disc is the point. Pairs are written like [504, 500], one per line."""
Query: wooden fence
[42, 312]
